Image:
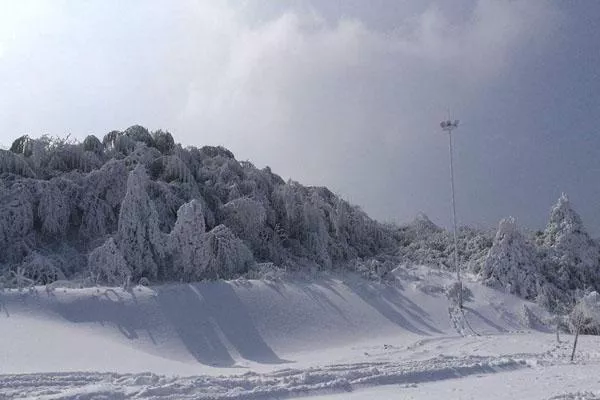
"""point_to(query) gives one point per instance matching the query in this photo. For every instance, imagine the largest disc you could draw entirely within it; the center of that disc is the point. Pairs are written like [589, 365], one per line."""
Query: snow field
[264, 339]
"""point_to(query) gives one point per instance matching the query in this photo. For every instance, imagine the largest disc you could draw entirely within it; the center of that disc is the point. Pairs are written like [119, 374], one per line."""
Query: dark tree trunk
[575, 343]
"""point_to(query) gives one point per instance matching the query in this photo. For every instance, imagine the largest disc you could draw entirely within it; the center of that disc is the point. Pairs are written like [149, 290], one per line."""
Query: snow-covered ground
[337, 337]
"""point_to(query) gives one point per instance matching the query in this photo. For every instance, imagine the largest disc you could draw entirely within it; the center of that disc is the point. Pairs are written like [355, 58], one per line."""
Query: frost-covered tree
[585, 317]
[139, 134]
[52, 156]
[167, 198]
[16, 221]
[140, 154]
[54, 208]
[121, 145]
[109, 140]
[109, 183]
[97, 218]
[511, 264]
[93, 144]
[423, 227]
[108, 266]
[20, 145]
[41, 269]
[18, 278]
[138, 236]
[568, 246]
[190, 260]
[163, 141]
[15, 164]
[226, 255]
[171, 168]
[246, 218]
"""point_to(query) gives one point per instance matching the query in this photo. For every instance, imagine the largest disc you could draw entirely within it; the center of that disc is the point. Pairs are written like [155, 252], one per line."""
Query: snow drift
[219, 327]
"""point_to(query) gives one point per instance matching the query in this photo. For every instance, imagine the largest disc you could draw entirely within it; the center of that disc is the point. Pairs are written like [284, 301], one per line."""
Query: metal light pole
[449, 126]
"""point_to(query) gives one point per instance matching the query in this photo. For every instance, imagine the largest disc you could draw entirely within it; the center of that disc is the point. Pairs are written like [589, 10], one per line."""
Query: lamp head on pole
[449, 125]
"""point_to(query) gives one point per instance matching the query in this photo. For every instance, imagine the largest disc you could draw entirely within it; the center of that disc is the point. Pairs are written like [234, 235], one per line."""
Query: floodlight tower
[449, 126]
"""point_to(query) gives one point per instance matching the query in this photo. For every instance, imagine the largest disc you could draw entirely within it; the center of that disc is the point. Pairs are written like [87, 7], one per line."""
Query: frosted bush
[266, 271]
[41, 269]
[585, 317]
[18, 278]
[108, 266]
[453, 291]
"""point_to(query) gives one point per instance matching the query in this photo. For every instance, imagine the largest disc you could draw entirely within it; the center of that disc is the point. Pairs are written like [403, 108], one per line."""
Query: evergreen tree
[511, 263]
[568, 246]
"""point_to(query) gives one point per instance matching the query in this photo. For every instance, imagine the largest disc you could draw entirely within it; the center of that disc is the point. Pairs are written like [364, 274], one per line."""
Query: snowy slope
[192, 328]
[260, 339]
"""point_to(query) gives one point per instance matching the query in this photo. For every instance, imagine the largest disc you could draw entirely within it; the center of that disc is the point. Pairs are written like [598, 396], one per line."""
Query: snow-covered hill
[136, 207]
[262, 339]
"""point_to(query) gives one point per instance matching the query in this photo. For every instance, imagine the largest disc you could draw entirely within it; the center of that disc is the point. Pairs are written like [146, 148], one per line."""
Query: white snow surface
[332, 337]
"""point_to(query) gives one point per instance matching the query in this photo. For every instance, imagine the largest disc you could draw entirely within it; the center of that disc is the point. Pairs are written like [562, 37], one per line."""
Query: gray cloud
[329, 101]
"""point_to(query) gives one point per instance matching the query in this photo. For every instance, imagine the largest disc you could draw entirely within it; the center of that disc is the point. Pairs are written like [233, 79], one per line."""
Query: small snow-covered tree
[54, 209]
[107, 265]
[316, 237]
[187, 243]
[122, 145]
[456, 293]
[15, 164]
[97, 218]
[585, 317]
[108, 183]
[303, 222]
[171, 168]
[163, 141]
[141, 154]
[167, 198]
[511, 263]
[423, 227]
[246, 218]
[19, 146]
[18, 278]
[569, 247]
[109, 140]
[226, 255]
[139, 134]
[41, 269]
[16, 222]
[138, 236]
[93, 144]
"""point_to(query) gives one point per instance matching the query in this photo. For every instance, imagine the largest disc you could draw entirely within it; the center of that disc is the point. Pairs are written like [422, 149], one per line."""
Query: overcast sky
[343, 93]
